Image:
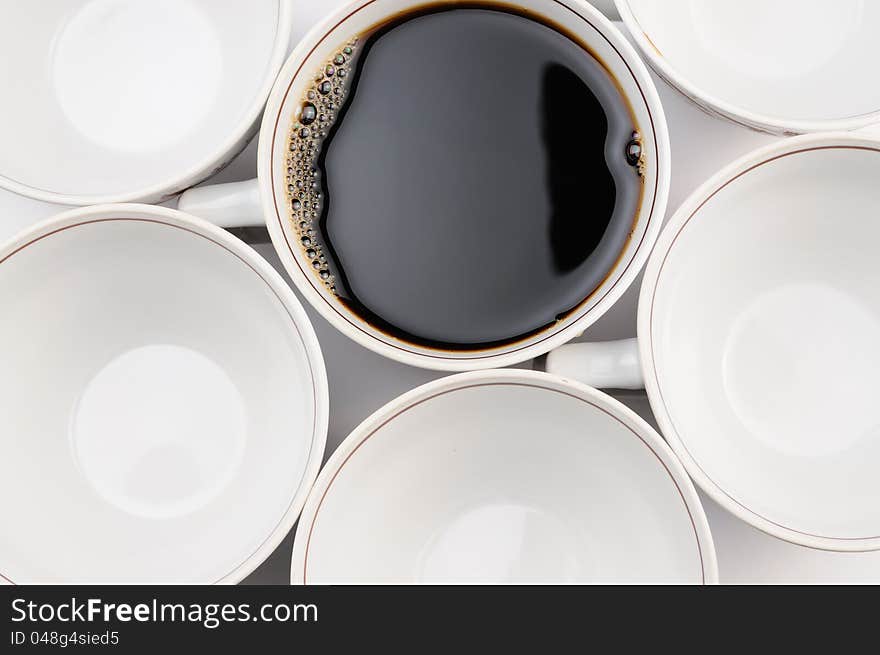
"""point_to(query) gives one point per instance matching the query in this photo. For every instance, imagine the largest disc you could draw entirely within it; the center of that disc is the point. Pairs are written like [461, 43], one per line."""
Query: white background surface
[360, 381]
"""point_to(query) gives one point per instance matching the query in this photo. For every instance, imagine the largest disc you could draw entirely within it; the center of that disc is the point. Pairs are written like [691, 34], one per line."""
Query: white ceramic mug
[758, 345]
[503, 477]
[163, 401]
[779, 66]
[265, 199]
[124, 100]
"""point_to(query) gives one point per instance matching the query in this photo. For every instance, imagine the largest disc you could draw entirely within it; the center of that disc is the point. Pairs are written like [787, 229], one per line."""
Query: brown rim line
[274, 293]
[656, 376]
[484, 354]
[426, 399]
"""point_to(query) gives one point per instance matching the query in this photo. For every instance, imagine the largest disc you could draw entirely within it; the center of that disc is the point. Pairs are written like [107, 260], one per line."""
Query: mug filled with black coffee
[460, 185]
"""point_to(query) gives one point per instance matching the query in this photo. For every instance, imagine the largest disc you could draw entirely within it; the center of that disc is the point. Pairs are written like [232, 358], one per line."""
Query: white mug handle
[235, 204]
[872, 130]
[604, 365]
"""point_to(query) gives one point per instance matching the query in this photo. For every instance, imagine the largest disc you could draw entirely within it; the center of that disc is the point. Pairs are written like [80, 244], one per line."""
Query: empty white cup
[779, 66]
[163, 401]
[124, 100]
[503, 477]
[758, 340]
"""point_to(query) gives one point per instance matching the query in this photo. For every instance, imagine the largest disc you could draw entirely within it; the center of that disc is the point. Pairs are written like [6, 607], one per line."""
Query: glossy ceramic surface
[118, 100]
[783, 66]
[758, 323]
[767, 391]
[164, 404]
[503, 477]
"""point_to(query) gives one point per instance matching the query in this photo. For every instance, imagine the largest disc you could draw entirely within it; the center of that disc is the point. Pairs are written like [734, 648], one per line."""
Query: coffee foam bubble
[316, 115]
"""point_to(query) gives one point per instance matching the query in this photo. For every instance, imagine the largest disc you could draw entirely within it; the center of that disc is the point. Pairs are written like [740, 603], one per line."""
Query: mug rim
[301, 324]
[730, 110]
[690, 209]
[229, 146]
[373, 424]
[349, 323]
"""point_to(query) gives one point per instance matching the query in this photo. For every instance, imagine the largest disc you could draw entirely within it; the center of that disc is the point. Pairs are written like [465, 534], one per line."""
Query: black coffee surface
[476, 184]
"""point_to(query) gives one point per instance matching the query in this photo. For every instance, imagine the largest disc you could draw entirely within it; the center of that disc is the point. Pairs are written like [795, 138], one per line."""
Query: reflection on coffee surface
[464, 178]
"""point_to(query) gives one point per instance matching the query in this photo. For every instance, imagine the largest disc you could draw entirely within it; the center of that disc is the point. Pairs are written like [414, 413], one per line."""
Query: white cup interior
[162, 403]
[107, 98]
[504, 477]
[313, 53]
[763, 334]
[780, 60]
